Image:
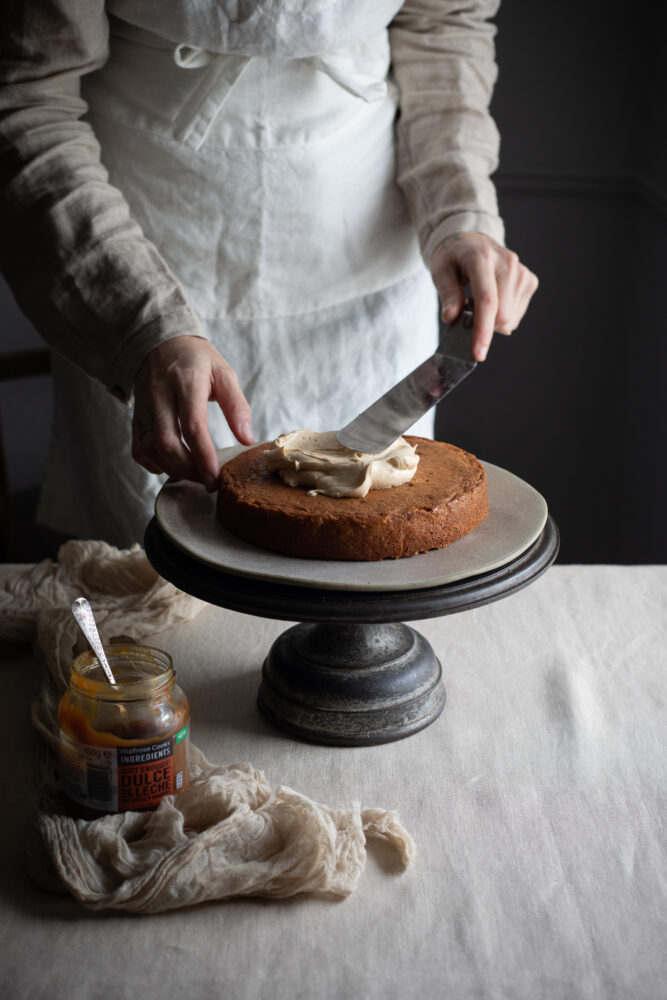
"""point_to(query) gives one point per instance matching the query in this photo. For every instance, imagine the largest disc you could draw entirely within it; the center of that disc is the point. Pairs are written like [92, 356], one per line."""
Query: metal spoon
[85, 619]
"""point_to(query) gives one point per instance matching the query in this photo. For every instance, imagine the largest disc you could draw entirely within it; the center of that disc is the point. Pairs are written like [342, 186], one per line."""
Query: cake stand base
[351, 674]
[351, 685]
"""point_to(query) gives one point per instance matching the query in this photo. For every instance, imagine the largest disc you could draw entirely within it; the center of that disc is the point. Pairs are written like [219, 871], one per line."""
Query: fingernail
[246, 432]
[210, 484]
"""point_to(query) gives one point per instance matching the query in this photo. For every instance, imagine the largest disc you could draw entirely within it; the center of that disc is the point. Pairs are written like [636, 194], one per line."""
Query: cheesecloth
[229, 834]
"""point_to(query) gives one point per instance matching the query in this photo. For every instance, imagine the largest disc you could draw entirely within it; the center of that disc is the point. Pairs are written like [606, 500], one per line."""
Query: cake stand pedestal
[351, 673]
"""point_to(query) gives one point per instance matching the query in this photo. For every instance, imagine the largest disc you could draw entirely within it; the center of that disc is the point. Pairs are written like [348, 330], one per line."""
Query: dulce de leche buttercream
[316, 460]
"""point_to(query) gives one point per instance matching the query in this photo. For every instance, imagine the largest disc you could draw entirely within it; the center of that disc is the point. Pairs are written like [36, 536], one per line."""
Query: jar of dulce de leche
[124, 745]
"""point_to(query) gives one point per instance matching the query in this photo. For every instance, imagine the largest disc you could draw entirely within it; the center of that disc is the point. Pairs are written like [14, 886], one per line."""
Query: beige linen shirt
[82, 270]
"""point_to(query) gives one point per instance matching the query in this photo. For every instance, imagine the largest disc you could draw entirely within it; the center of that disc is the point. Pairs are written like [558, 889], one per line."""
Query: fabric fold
[230, 834]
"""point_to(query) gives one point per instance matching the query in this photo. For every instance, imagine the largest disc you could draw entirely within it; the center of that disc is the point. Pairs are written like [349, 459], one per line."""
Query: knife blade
[396, 411]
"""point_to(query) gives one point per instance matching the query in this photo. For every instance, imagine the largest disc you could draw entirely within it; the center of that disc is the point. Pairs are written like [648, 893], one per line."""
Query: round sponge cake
[445, 500]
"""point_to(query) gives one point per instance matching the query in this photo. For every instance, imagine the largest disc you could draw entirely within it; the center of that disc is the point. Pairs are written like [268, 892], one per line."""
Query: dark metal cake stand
[351, 674]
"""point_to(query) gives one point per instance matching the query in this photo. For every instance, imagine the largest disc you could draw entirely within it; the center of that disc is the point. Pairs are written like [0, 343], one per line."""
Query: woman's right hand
[170, 427]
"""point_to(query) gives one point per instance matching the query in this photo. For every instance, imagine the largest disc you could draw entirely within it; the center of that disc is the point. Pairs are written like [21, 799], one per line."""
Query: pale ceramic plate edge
[317, 573]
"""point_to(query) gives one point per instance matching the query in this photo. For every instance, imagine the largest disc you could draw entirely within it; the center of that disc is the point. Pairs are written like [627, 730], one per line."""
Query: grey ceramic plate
[517, 514]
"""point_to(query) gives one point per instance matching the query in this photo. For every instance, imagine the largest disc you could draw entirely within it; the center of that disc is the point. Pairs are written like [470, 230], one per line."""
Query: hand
[169, 428]
[501, 285]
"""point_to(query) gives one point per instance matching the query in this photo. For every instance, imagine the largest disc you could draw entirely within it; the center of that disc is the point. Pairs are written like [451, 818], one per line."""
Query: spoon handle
[83, 613]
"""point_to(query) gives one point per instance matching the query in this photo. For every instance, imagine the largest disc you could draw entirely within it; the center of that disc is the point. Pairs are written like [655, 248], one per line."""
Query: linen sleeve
[80, 268]
[444, 64]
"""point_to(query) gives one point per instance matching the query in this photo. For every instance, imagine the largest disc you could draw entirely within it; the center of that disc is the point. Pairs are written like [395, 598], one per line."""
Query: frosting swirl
[317, 460]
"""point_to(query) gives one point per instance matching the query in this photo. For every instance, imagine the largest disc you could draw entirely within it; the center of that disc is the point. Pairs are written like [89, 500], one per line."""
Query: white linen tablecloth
[537, 803]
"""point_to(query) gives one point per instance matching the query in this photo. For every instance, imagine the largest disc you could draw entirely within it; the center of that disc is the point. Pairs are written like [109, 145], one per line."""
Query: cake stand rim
[288, 602]
[188, 535]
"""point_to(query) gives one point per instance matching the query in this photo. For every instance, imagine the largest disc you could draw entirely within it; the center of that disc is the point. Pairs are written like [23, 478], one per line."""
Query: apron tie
[197, 116]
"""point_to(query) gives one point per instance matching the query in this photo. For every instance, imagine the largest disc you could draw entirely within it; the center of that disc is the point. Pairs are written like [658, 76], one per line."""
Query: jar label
[114, 779]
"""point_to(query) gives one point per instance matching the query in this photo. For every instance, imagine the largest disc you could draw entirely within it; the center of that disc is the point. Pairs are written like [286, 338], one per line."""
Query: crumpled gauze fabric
[229, 834]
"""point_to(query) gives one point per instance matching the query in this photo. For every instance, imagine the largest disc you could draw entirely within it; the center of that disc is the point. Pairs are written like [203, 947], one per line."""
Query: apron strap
[196, 117]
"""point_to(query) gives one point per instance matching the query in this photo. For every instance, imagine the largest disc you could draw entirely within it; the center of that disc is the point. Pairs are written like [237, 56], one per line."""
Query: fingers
[223, 387]
[450, 291]
[501, 285]
[528, 285]
[156, 436]
[227, 393]
[507, 317]
[170, 427]
[516, 286]
[192, 394]
[483, 284]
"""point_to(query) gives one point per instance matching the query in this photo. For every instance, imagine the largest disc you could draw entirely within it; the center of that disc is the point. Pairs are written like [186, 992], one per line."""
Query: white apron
[256, 150]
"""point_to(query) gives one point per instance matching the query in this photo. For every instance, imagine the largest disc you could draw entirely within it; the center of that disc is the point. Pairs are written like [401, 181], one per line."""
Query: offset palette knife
[395, 412]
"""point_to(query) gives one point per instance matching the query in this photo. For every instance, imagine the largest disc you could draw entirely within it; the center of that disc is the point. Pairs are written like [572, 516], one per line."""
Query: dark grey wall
[574, 401]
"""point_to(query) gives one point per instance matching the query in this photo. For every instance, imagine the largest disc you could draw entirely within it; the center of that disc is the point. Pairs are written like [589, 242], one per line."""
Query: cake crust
[446, 499]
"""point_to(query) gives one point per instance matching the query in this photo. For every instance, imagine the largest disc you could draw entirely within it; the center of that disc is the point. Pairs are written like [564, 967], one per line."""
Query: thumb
[448, 283]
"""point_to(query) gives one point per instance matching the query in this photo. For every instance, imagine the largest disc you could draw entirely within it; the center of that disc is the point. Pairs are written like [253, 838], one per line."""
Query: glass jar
[124, 745]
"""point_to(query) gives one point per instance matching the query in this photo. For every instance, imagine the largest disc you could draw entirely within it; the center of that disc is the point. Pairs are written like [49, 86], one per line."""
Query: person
[236, 215]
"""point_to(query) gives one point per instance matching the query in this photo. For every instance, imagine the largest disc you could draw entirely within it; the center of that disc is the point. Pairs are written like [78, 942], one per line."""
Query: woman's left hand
[501, 285]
